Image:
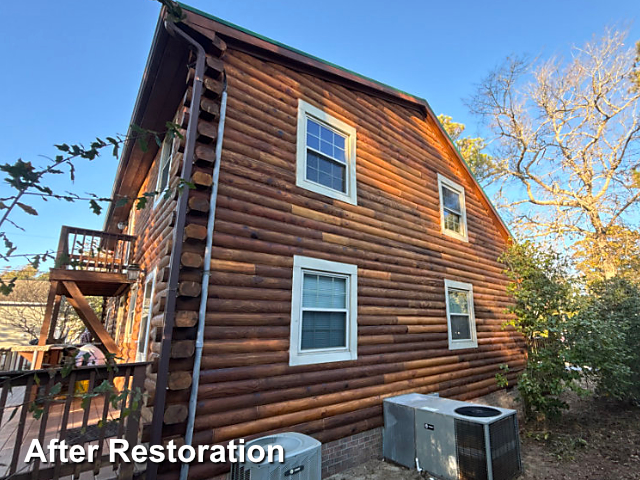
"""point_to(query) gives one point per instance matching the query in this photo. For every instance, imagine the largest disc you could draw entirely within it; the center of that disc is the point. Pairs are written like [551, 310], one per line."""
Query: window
[128, 330]
[460, 317]
[145, 318]
[324, 325]
[326, 154]
[119, 318]
[453, 214]
[166, 154]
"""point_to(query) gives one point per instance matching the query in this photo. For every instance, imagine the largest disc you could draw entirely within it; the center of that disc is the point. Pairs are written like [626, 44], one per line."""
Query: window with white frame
[324, 324]
[326, 154]
[460, 317]
[166, 155]
[145, 318]
[128, 330]
[453, 212]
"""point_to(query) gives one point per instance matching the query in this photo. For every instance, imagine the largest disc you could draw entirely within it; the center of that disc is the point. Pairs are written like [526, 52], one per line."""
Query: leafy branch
[28, 181]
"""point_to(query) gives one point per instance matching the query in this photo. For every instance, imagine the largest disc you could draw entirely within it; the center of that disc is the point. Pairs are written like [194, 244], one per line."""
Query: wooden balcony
[88, 263]
[48, 404]
[96, 261]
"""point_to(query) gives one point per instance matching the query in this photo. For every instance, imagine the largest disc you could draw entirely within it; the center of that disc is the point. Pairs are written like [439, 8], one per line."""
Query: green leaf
[66, 370]
[141, 202]
[27, 208]
[95, 207]
[55, 390]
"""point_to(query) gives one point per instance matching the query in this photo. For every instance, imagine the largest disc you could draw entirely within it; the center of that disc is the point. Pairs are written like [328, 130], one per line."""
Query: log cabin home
[334, 250]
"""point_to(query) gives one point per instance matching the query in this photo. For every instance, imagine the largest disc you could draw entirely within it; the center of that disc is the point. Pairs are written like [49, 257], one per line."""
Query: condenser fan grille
[505, 448]
[471, 451]
[238, 472]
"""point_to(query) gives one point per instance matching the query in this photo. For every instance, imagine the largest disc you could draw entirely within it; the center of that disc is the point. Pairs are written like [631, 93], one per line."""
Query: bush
[544, 301]
[607, 338]
[573, 332]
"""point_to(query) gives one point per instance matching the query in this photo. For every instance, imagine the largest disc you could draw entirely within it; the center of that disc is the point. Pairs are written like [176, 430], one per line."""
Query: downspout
[206, 273]
[176, 250]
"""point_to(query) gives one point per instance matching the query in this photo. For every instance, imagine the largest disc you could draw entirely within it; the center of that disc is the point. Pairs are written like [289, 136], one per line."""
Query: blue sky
[70, 70]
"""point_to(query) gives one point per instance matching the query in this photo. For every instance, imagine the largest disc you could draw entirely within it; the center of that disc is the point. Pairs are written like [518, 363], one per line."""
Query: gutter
[204, 295]
[176, 250]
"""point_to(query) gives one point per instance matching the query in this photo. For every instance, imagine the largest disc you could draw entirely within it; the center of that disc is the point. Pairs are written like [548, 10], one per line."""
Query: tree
[22, 311]
[471, 149]
[567, 142]
[606, 335]
[543, 302]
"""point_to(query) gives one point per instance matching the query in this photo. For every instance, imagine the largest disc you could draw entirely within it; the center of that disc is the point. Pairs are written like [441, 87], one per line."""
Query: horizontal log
[179, 380]
[194, 231]
[189, 289]
[175, 414]
[191, 260]
[185, 318]
[183, 349]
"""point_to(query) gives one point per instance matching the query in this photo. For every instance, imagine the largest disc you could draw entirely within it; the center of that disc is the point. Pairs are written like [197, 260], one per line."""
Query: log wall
[393, 235]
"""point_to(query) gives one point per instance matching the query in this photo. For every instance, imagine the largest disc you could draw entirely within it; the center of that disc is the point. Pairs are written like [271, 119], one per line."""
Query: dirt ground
[595, 440]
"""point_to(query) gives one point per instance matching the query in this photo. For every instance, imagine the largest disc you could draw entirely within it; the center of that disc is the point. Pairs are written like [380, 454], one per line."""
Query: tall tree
[567, 142]
[472, 149]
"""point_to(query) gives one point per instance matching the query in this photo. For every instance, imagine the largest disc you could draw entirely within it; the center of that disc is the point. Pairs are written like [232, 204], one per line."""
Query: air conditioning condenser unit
[458, 440]
[302, 459]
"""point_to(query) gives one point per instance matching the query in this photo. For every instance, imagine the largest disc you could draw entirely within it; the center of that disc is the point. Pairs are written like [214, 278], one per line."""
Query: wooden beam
[54, 318]
[88, 316]
[48, 314]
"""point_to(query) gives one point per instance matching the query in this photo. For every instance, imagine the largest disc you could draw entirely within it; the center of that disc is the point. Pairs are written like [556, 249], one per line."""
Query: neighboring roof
[273, 50]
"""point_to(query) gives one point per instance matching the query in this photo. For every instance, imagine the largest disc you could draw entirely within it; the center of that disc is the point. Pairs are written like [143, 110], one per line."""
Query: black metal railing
[71, 405]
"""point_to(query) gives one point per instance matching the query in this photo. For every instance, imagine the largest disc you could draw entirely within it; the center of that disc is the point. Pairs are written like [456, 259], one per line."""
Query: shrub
[544, 301]
[606, 339]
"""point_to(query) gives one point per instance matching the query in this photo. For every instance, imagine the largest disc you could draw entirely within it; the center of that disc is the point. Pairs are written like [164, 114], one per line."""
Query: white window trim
[133, 299]
[350, 352]
[459, 344]
[444, 181]
[305, 111]
[142, 356]
[167, 142]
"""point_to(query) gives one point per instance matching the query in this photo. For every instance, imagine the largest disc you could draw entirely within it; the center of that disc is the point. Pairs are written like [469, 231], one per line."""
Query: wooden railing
[83, 249]
[67, 405]
[11, 361]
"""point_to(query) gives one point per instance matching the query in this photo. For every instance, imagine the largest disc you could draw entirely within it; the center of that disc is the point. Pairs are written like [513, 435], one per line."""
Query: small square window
[453, 215]
[323, 312]
[326, 153]
[460, 316]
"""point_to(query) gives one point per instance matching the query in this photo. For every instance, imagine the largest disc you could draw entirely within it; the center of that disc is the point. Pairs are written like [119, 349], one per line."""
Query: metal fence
[80, 406]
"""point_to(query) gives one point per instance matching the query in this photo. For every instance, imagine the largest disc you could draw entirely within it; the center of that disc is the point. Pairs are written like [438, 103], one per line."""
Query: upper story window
[453, 212]
[324, 325]
[460, 315]
[326, 154]
[166, 155]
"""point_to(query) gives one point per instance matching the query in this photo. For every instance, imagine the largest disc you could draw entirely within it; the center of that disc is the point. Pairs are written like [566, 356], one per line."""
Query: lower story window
[460, 316]
[323, 311]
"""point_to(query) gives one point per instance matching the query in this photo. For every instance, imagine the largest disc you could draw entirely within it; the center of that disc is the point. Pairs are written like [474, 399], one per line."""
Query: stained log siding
[393, 235]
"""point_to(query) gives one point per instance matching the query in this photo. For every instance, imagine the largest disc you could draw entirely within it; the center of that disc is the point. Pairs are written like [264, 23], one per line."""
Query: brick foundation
[351, 451]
